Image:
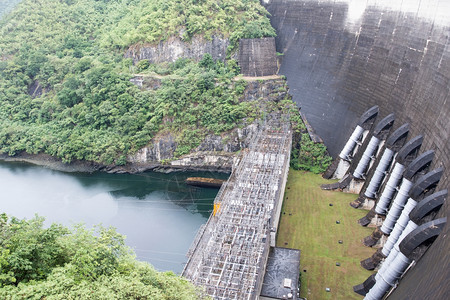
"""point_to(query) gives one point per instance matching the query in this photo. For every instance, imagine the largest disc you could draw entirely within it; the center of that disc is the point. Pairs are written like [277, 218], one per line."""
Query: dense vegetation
[64, 84]
[154, 20]
[65, 87]
[310, 156]
[62, 263]
[306, 154]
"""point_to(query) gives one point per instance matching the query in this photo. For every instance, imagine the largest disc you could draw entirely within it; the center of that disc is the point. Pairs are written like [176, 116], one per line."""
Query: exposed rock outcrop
[174, 48]
[35, 89]
[216, 152]
[273, 90]
[160, 149]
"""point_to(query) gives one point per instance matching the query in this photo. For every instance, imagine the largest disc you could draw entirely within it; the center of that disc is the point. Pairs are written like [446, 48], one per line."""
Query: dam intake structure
[229, 255]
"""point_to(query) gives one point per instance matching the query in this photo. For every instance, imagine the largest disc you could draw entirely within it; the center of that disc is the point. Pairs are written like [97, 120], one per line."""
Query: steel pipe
[379, 174]
[363, 163]
[397, 206]
[351, 143]
[390, 188]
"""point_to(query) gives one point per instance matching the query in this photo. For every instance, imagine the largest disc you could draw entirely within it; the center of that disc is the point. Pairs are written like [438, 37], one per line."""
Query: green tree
[58, 263]
[207, 61]
[29, 252]
[142, 65]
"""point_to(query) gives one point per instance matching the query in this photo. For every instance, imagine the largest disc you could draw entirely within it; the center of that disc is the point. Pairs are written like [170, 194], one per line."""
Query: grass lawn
[312, 228]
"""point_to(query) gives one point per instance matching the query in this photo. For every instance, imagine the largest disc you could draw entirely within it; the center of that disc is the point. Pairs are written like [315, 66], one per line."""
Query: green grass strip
[312, 228]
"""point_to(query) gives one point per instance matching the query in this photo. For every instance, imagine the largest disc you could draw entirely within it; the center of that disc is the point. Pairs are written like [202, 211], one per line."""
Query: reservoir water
[158, 213]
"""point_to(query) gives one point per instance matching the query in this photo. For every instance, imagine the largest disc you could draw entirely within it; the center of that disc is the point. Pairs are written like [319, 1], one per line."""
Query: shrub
[142, 65]
[310, 156]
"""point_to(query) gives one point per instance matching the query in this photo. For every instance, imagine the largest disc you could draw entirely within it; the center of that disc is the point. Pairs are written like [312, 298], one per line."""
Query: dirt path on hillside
[246, 78]
[255, 78]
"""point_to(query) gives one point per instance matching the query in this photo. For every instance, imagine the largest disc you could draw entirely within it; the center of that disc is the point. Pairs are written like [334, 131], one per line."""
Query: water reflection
[158, 213]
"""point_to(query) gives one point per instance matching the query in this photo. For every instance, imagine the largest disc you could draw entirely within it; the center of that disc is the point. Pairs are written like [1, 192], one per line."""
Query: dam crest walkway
[229, 254]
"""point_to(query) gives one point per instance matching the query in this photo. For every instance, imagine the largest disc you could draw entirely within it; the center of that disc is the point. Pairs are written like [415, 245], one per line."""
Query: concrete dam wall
[342, 57]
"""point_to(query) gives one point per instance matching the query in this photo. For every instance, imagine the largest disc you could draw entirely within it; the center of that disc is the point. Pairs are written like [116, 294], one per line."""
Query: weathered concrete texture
[175, 48]
[336, 69]
[339, 63]
[283, 263]
[257, 57]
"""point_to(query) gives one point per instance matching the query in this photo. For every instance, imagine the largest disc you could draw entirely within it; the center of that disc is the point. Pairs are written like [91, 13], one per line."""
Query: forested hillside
[64, 84]
[62, 263]
[155, 20]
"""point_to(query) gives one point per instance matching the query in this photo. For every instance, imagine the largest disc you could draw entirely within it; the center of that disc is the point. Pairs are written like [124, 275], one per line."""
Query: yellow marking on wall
[216, 208]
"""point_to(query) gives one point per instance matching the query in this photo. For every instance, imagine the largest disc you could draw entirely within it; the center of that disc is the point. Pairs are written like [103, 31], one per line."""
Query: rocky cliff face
[215, 152]
[175, 48]
[266, 91]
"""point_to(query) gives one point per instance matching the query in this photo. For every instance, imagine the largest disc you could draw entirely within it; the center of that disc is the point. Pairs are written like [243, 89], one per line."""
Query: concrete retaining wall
[257, 57]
